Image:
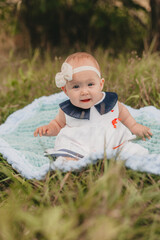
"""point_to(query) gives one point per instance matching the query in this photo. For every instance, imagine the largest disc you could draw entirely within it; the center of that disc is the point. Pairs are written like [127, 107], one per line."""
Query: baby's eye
[76, 86]
[90, 84]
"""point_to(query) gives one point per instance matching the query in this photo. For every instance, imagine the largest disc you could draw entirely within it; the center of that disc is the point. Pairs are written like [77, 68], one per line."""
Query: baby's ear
[64, 89]
[102, 82]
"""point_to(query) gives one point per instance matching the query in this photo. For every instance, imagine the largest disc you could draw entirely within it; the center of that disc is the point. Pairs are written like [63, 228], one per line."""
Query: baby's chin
[84, 104]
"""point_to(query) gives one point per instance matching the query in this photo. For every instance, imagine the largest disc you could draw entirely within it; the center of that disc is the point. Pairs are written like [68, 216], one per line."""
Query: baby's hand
[141, 131]
[45, 130]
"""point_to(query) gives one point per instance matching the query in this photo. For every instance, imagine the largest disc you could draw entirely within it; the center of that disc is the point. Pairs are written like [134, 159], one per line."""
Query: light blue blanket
[25, 152]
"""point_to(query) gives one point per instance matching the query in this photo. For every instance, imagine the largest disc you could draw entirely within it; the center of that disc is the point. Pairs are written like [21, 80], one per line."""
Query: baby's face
[85, 90]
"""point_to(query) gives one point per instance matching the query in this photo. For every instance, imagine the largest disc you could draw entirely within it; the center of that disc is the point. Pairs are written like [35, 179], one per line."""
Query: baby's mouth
[86, 100]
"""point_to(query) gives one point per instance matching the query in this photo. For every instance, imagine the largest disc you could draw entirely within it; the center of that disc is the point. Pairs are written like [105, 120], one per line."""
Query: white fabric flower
[65, 74]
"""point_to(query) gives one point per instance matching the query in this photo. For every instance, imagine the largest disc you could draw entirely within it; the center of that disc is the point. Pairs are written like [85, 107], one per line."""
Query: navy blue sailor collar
[106, 105]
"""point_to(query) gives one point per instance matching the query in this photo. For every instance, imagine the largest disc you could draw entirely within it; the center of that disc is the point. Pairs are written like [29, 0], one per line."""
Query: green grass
[105, 201]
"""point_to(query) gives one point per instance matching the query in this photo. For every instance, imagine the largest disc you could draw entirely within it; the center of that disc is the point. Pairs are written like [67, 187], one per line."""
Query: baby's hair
[79, 58]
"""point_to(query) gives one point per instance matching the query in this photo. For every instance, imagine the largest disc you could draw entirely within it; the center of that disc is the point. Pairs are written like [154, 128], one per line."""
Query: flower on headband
[65, 74]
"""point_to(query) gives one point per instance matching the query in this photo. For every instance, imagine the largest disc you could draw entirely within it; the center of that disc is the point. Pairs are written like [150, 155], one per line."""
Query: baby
[91, 119]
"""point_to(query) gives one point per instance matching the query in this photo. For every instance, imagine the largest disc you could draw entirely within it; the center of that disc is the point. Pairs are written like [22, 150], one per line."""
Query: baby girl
[90, 120]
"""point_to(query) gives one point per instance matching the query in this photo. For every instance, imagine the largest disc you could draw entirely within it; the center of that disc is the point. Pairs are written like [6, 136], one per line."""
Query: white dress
[100, 130]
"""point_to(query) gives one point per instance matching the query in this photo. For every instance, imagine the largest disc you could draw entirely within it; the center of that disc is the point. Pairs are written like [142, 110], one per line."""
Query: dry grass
[103, 201]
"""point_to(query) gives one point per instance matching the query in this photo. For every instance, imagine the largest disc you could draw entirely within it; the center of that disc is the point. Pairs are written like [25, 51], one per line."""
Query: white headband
[67, 71]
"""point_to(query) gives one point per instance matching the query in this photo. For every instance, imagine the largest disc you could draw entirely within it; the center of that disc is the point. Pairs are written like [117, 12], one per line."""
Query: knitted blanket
[26, 153]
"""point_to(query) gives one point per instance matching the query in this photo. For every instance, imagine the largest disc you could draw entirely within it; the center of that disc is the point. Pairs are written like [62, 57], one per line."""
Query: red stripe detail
[118, 145]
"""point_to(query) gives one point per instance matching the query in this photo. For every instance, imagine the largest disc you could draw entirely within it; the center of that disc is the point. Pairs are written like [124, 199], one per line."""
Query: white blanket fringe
[25, 152]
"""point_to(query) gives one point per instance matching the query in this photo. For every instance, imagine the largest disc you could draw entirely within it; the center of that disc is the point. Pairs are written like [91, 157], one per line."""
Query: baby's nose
[84, 91]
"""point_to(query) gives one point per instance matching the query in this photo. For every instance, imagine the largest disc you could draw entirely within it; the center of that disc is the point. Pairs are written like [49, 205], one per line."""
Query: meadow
[106, 201]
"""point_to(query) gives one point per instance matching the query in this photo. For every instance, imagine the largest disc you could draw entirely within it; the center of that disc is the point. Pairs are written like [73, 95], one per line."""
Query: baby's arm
[130, 122]
[53, 128]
